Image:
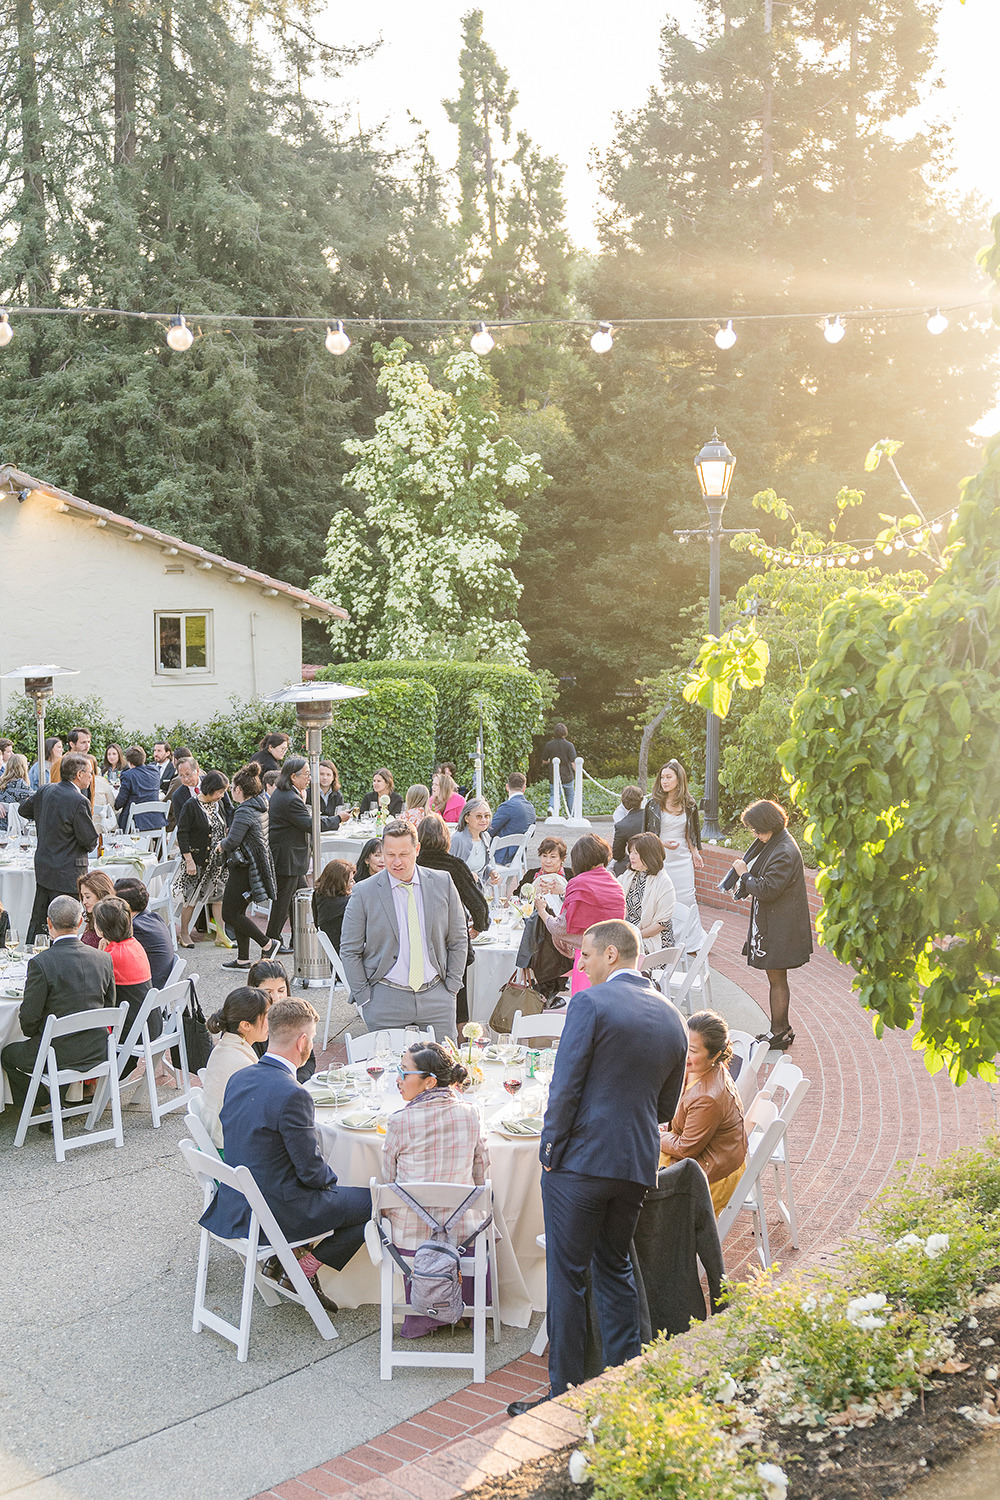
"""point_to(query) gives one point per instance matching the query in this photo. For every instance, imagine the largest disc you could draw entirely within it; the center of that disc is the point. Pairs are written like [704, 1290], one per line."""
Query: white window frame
[184, 670]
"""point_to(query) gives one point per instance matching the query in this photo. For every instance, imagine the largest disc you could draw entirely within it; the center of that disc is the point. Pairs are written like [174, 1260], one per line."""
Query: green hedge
[64, 713]
[509, 698]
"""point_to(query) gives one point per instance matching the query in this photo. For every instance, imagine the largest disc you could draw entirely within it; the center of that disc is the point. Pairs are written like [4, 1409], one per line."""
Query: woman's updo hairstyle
[431, 1059]
[244, 1004]
[714, 1032]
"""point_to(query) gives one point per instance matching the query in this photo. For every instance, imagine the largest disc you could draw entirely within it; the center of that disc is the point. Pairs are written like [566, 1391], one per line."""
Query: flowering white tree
[424, 570]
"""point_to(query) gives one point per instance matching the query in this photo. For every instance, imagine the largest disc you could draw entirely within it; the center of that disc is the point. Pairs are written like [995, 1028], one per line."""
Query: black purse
[197, 1042]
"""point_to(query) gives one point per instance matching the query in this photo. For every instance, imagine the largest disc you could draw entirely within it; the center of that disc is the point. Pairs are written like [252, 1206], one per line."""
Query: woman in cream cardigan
[708, 1122]
[241, 1022]
[649, 892]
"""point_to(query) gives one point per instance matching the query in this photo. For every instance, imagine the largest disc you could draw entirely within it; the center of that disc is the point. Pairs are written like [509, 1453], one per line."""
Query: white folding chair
[338, 980]
[440, 1199]
[176, 971]
[164, 903]
[361, 1048]
[751, 1054]
[659, 966]
[513, 871]
[209, 1169]
[698, 979]
[542, 1336]
[200, 1119]
[109, 1021]
[138, 1044]
[747, 1194]
[546, 1024]
[787, 1081]
[158, 835]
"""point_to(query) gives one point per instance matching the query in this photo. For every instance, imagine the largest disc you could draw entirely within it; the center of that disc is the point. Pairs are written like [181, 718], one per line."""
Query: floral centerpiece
[382, 816]
[474, 1034]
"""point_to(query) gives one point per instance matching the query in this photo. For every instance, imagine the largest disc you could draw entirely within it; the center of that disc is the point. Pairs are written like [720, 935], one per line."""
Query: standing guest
[435, 840]
[133, 979]
[184, 786]
[201, 829]
[370, 860]
[139, 783]
[560, 745]
[148, 929]
[239, 1023]
[53, 754]
[649, 892]
[272, 751]
[708, 1123]
[66, 835]
[471, 840]
[270, 975]
[162, 760]
[330, 898]
[780, 935]
[437, 1137]
[416, 805]
[446, 800]
[269, 781]
[671, 813]
[251, 869]
[515, 815]
[95, 886]
[405, 941]
[113, 765]
[549, 875]
[630, 822]
[14, 788]
[289, 834]
[269, 1125]
[63, 979]
[178, 754]
[331, 798]
[383, 785]
[592, 895]
[619, 1071]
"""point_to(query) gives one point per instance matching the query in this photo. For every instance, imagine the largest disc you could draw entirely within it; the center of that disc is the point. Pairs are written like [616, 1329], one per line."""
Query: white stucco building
[160, 630]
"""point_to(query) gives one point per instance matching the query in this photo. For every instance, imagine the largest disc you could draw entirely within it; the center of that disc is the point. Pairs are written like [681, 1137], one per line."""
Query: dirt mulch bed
[867, 1463]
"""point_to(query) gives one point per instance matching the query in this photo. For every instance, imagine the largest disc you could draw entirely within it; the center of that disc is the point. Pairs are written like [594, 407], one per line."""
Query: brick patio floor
[872, 1106]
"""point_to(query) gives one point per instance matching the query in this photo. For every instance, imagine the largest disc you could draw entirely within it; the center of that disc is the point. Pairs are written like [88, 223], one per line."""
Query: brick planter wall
[717, 861]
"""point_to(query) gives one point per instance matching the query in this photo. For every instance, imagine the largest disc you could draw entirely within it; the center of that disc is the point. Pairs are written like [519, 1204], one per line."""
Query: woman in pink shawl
[592, 895]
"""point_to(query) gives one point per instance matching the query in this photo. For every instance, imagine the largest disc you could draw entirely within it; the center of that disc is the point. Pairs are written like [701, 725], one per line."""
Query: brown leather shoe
[325, 1302]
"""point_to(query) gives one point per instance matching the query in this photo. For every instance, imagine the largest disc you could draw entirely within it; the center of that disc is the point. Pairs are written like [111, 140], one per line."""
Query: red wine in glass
[512, 1084]
[375, 1070]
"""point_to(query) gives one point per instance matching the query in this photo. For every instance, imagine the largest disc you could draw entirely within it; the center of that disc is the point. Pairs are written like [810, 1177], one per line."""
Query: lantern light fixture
[602, 340]
[725, 338]
[179, 335]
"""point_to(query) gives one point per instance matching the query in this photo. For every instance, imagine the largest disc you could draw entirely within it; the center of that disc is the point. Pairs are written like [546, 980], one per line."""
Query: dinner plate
[492, 1054]
[360, 1122]
[504, 1128]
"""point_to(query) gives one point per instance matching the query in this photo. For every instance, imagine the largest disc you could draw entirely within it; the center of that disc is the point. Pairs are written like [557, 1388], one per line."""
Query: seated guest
[14, 788]
[163, 761]
[630, 822]
[240, 1023]
[447, 768]
[549, 875]
[139, 783]
[446, 800]
[269, 975]
[269, 1125]
[331, 798]
[592, 895]
[434, 840]
[330, 898]
[53, 755]
[649, 892]
[102, 802]
[148, 929]
[708, 1123]
[471, 841]
[382, 786]
[516, 815]
[95, 886]
[113, 765]
[61, 980]
[416, 804]
[4, 925]
[129, 963]
[436, 1138]
[370, 860]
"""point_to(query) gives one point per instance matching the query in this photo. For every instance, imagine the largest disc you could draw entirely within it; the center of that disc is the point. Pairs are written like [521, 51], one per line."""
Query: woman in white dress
[672, 815]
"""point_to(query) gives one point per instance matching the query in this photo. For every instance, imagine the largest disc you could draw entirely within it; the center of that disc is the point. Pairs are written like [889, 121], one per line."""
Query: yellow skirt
[723, 1190]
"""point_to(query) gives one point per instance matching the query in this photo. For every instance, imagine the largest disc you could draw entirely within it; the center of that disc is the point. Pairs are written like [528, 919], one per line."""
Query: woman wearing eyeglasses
[436, 1138]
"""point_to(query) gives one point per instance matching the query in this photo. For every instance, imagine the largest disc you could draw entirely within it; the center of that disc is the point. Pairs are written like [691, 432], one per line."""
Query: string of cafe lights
[909, 542]
[180, 335]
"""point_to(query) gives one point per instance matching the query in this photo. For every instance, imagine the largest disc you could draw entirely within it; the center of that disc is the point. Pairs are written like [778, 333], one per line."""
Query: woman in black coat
[780, 936]
[289, 825]
[273, 749]
[434, 838]
[251, 869]
[383, 785]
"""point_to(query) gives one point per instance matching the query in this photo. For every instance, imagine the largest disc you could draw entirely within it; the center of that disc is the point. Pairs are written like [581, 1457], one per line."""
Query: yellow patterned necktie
[416, 942]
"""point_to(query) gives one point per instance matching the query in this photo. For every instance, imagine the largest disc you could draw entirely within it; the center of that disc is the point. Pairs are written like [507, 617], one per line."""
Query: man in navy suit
[269, 1125]
[516, 815]
[139, 783]
[619, 1071]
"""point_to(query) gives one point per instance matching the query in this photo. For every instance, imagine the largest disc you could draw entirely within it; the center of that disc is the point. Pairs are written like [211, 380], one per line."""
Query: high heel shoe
[777, 1041]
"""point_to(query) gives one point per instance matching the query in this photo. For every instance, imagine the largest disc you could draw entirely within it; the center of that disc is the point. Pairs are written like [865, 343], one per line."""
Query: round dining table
[12, 974]
[514, 1169]
[17, 880]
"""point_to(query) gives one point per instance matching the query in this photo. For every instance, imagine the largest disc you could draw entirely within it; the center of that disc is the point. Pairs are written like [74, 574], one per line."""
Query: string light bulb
[937, 528]
[899, 544]
[869, 555]
[6, 332]
[726, 337]
[179, 335]
[834, 330]
[602, 340]
[336, 339]
[937, 322]
[482, 341]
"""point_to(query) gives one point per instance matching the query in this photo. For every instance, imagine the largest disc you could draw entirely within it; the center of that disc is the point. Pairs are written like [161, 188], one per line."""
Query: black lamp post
[714, 467]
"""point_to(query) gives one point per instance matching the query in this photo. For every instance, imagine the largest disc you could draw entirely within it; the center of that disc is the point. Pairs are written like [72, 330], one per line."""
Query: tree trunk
[34, 270]
[125, 86]
[644, 744]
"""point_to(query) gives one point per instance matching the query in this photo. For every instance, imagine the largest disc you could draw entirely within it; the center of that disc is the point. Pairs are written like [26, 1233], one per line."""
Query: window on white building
[183, 642]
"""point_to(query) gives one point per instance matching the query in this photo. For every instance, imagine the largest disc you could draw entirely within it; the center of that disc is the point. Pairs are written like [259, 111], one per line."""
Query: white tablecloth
[356, 1157]
[17, 886]
[493, 967]
[348, 843]
[10, 1031]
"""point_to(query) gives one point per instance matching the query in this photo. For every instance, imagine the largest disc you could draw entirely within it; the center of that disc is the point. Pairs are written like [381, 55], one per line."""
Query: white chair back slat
[786, 1081]
[110, 1020]
[547, 1023]
[164, 903]
[200, 1119]
[338, 980]
[697, 978]
[747, 1193]
[751, 1054]
[512, 873]
[172, 1001]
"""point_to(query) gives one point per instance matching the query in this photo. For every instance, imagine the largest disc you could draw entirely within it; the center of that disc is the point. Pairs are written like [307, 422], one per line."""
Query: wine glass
[513, 1080]
[375, 1068]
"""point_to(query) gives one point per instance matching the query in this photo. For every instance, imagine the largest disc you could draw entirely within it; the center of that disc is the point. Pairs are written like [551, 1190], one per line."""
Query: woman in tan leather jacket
[708, 1124]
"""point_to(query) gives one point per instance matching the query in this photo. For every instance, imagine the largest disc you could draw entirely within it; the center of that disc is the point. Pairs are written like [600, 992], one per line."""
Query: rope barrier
[599, 784]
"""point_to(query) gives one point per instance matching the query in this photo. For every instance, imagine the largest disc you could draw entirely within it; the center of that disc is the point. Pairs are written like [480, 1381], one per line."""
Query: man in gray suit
[405, 941]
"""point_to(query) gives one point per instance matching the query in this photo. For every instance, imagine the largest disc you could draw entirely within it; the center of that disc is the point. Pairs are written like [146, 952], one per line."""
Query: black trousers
[234, 914]
[282, 903]
[589, 1223]
[40, 907]
[354, 1209]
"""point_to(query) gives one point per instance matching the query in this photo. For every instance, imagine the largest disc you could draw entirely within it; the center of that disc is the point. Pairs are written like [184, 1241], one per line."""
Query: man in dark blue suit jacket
[139, 783]
[516, 815]
[619, 1072]
[269, 1125]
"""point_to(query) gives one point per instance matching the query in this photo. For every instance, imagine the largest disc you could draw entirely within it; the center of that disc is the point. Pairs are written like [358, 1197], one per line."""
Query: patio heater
[314, 710]
[38, 685]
